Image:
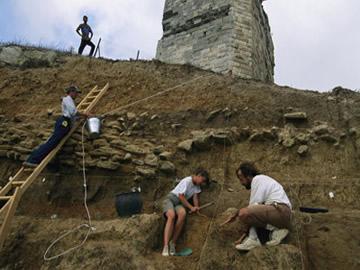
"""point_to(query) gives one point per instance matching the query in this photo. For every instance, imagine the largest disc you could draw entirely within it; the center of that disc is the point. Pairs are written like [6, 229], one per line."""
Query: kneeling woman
[175, 204]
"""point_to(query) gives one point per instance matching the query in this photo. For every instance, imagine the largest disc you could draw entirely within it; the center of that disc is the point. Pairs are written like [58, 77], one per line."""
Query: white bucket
[93, 125]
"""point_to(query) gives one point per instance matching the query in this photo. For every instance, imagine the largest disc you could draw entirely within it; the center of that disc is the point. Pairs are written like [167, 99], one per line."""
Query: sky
[317, 42]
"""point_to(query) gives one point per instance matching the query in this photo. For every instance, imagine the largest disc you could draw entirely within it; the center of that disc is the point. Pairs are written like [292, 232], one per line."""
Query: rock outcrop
[27, 57]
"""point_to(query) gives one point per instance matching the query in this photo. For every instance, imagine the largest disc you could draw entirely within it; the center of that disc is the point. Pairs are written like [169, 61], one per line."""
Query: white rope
[157, 94]
[210, 228]
[295, 195]
[85, 225]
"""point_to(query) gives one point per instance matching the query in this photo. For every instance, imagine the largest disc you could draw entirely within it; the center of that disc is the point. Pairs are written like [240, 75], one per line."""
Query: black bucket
[128, 204]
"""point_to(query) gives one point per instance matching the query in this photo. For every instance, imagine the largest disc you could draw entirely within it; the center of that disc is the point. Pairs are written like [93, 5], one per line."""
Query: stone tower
[219, 35]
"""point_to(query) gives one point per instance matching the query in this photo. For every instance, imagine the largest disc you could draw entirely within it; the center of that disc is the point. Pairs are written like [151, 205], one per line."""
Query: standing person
[175, 204]
[86, 36]
[269, 208]
[62, 127]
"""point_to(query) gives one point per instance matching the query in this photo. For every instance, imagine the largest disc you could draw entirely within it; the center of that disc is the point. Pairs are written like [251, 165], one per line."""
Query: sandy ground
[329, 241]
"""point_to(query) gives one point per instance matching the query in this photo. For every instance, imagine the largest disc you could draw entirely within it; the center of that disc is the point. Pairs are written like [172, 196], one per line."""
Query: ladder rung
[85, 104]
[17, 183]
[87, 100]
[5, 198]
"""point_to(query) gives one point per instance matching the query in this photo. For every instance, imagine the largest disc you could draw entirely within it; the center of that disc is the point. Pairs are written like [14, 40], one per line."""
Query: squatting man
[269, 208]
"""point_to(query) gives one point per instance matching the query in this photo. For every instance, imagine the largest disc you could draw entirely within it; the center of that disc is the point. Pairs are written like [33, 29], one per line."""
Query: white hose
[85, 225]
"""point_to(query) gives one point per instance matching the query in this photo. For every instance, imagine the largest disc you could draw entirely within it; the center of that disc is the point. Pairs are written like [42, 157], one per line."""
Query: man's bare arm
[78, 31]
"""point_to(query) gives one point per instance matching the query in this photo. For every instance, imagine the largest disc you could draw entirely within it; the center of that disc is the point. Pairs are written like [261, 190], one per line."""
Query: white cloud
[316, 42]
[124, 26]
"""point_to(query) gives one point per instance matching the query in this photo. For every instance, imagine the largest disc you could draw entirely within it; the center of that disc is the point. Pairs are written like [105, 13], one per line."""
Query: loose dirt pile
[309, 141]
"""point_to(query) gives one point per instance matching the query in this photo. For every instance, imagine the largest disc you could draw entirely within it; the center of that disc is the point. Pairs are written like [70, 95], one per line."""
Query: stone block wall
[219, 35]
[263, 48]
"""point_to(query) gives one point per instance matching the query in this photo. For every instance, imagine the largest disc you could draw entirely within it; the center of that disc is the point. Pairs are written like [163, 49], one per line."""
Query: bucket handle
[102, 118]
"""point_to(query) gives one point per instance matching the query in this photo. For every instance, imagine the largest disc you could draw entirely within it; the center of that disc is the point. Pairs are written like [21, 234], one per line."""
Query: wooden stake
[97, 48]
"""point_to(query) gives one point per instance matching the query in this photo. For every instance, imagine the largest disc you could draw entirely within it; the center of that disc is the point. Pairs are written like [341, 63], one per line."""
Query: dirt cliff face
[308, 141]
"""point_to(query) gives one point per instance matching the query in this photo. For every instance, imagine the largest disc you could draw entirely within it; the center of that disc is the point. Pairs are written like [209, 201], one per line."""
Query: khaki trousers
[261, 215]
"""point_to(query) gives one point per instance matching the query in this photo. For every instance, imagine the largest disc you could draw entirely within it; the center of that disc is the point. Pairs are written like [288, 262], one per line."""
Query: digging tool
[230, 219]
[313, 210]
[242, 237]
[206, 205]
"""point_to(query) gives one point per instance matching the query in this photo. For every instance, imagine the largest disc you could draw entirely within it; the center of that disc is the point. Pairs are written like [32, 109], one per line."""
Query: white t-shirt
[68, 107]
[186, 187]
[267, 190]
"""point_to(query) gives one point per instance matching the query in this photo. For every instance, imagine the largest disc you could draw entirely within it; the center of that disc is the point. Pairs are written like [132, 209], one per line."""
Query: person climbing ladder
[62, 127]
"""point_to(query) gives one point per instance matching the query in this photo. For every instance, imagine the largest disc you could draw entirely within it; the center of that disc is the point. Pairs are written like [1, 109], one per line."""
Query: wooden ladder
[11, 193]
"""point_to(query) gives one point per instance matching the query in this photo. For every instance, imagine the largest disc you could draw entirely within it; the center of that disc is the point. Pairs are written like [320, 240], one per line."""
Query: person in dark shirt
[84, 30]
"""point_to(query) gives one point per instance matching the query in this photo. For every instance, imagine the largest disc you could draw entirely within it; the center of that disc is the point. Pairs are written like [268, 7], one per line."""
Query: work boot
[248, 244]
[276, 236]
[172, 249]
[165, 251]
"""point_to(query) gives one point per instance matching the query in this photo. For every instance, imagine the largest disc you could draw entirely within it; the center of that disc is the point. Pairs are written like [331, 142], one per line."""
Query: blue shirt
[85, 30]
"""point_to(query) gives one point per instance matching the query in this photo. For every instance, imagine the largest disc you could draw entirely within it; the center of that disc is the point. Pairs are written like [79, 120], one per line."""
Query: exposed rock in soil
[321, 129]
[167, 167]
[186, 145]
[299, 116]
[16, 56]
[262, 136]
[303, 150]
[146, 172]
